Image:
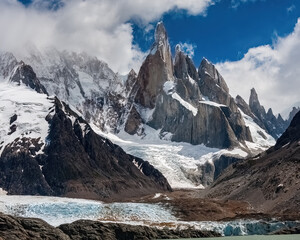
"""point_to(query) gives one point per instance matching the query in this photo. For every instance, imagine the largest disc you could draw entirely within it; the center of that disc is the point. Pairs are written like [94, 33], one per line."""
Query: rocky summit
[193, 106]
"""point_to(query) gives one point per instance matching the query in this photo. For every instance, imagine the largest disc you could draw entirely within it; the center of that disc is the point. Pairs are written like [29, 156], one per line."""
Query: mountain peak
[253, 97]
[177, 48]
[292, 133]
[24, 74]
[160, 33]
[270, 112]
[209, 71]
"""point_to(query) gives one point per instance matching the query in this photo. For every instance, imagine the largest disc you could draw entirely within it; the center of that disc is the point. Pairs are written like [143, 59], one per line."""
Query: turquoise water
[256, 237]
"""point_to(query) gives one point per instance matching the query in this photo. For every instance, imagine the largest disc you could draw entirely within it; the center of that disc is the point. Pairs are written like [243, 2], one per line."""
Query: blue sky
[228, 31]
[254, 43]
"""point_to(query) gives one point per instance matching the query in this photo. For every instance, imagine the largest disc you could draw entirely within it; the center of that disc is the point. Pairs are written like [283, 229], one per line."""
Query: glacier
[57, 211]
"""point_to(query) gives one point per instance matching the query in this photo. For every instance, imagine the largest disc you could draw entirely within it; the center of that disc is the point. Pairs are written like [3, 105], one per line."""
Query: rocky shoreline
[15, 228]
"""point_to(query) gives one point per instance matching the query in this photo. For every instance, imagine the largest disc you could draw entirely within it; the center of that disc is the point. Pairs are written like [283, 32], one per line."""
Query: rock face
[24, 74]
[171, 100]
[28, 228]
[266, 120]
[156, 70]
[15, 228]
[212, 83]
[292, 114]
[269, 182]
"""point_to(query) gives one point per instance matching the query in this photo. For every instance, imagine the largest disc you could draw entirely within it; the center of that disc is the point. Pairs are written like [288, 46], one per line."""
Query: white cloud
[99, 28]
[188, 48]
[272, 69]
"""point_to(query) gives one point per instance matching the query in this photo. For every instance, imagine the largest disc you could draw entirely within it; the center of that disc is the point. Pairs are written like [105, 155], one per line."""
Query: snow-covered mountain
[82, 81]
[181, 119]
[48, 149]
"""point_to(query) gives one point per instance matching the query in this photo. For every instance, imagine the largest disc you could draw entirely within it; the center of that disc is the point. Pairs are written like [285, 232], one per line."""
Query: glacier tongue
[183, 164]
[57, 211]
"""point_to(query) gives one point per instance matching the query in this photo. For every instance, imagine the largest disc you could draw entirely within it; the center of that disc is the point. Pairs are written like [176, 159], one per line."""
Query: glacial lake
[57, 211]
[255, 237]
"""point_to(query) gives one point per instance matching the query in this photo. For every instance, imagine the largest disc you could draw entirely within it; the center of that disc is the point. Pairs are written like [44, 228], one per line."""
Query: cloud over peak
[100, 28]
[272, 69]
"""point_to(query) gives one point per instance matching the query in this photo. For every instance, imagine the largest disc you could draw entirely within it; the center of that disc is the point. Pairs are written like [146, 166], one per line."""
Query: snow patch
[139, 167]
[259, 142]
[31, 109]
[2, 192]
[207, 102]
[184, 103]
[191, 80]
[157, 195]
[169, 88]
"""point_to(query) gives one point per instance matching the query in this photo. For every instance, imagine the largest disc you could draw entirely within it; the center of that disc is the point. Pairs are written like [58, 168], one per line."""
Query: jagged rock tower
[193, 107]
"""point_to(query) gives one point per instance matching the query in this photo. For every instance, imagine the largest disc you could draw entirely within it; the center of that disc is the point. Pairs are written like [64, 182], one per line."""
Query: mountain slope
[48, 149]
[270, 182]
[170, 99]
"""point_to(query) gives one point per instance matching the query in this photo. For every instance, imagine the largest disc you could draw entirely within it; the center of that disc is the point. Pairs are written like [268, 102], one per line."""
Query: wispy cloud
[236, 3]
[272, 69]
[188, 48]
[291, 8]
[100, 28]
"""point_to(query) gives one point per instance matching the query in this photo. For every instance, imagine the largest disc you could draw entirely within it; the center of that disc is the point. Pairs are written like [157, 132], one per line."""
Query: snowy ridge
[80, 80]
[30, 109]
[261, 139]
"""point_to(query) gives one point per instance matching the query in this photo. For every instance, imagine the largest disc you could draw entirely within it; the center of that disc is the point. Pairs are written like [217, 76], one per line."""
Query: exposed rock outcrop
[186, 77]
[266, 120]
[174, 104]
[24, 74]
[155, 71]
[292, 114]
[214, 87]
[212, 84]
[15, 228]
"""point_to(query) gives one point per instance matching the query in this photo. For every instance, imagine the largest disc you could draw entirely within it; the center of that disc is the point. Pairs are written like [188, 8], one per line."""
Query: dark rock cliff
[76, 162]
[25, 74]
[15, 228]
